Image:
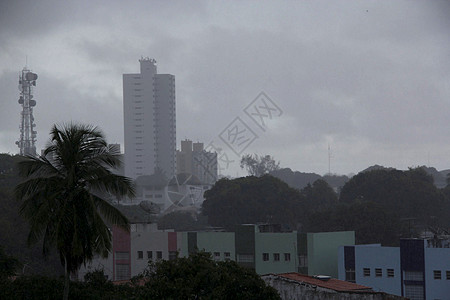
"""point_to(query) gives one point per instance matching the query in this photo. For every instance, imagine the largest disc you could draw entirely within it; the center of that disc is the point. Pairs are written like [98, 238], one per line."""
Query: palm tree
[63, 195]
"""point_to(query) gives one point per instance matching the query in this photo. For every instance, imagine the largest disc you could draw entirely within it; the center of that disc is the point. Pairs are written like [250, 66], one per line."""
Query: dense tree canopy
[252, 200]
[200, 277]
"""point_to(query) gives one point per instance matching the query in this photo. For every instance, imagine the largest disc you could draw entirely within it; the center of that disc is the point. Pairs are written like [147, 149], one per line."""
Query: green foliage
[8, 264]
[410, 194]
[252, 200]
[200, 277]
[371, 222]
[45, 288]
[62, 195]
[319, 196]
[259, 165]
[14, 228]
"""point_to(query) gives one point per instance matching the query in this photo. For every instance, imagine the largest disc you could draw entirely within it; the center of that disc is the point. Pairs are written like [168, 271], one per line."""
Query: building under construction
[27, 140]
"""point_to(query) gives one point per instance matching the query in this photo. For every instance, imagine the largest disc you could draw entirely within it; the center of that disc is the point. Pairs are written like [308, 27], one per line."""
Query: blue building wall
[374, 257]
[437, 259]
[416, 270]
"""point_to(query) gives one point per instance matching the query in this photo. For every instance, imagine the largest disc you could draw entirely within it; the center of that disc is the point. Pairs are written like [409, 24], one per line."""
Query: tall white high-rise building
[149, 121]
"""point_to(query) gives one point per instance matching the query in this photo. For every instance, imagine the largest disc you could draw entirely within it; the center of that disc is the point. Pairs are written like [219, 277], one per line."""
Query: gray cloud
[372, 79]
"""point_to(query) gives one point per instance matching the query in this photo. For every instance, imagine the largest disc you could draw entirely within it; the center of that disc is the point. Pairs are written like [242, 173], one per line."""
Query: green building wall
[283, 244]
[322, 251]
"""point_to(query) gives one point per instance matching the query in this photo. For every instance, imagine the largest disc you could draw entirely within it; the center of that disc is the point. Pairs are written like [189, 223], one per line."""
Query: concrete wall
[276, 243]
[217, 242]
[323, 251]
[437, 259]
[377, 257]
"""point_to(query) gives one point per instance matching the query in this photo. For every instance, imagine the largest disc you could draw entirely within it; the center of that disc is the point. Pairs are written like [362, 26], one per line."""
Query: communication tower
[26, 142]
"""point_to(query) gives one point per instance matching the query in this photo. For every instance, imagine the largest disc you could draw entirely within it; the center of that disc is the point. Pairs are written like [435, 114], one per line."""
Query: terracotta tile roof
[332, 283]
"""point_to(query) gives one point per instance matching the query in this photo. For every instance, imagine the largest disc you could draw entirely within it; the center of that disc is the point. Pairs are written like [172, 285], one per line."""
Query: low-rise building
[418, 269]
[265, 248]
[295, 286]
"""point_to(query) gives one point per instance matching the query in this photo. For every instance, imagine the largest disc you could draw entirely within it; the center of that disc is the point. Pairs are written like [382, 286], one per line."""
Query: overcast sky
[371, 79]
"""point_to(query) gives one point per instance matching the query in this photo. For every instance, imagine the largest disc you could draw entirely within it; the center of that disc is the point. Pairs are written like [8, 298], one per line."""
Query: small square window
[447, 274]
[390, 273]
[366, 272]
[140, 254]
[287, 257]
[265, 256]
[276, 256]
[227, 255]
[378, 272]
[149, 255]
[158, 254]
[437, 274]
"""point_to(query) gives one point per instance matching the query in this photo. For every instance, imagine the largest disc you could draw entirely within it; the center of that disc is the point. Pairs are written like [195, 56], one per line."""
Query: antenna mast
[27, 140]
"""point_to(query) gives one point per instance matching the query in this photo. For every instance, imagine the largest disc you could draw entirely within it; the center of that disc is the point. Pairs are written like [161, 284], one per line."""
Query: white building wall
[149, 121]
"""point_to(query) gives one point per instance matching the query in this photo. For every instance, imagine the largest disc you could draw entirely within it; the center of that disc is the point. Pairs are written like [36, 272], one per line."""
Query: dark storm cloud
[369, 78]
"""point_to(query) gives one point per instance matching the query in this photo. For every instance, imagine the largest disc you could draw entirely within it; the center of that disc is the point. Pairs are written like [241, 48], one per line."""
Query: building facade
[149, 121]
[193, 159]
[264, 248]
[418, 269]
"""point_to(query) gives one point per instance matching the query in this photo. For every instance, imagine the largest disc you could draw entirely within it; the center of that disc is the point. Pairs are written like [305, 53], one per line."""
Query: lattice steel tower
[26, 143]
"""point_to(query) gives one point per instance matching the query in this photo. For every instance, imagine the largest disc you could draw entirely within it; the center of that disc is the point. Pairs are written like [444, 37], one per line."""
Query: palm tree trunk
[66, 280]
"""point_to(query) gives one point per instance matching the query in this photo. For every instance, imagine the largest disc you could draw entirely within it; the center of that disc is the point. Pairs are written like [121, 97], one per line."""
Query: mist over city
[224, 150]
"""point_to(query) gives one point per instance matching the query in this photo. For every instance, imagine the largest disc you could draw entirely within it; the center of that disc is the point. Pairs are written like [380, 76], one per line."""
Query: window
[159, 254]
[378, 272]
[390, 273]
[350, 275]
[216, 255]
[122, 271]
[447, 275]
[140, 254]
[245, 258]
[413, 275]
[415, 292]
[287, 257]
[437, 274]
[366, 272]
[149, 255]
[276, 256]
[265, 256]
[303, 261]
[227, 255]
[122, 255]
[172, 255]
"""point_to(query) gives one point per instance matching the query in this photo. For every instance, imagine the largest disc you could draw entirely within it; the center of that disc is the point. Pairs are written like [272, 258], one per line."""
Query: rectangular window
[265, 256]
[350, 275]
[216, 255]
[413, 275]
[366, 272]
[159, 254]
[390, 273]
[303, 261]
[172, 255]
[276, 256]
[122, 255]
[415, 292]
[245, 258]
[287, 257]
[437, 274]
[140, 255]
[227, 255]
[378, 272]
[447, 274]
[149, 255]
[122, 271]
